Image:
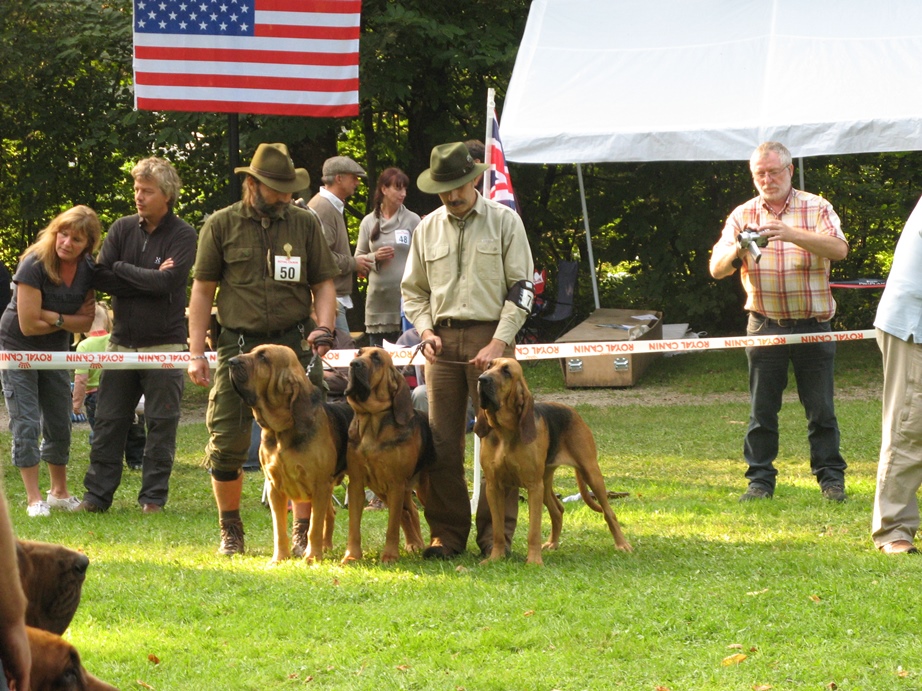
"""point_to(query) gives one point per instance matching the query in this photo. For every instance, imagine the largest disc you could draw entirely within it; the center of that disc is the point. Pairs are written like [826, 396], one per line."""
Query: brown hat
[342, 165]
[273, 167]
[451, 166]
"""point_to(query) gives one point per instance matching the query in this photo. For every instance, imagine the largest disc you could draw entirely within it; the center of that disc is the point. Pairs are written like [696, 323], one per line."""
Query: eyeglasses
[774, 173]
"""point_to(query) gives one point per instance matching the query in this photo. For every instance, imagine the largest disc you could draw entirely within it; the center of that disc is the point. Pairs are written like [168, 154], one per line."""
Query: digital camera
[752, 239]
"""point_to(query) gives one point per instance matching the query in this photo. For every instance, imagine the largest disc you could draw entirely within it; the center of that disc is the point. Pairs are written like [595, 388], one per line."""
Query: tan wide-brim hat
[450, 167]
[272, 166]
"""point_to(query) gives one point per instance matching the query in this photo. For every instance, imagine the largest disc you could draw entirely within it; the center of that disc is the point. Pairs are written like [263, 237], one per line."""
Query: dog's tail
[584, 492]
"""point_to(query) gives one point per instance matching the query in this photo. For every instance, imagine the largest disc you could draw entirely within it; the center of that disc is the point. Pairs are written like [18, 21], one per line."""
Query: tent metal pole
[582, 198]
[800, 169]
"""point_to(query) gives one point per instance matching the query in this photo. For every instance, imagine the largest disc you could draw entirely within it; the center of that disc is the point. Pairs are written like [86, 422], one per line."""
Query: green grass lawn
[794, 584]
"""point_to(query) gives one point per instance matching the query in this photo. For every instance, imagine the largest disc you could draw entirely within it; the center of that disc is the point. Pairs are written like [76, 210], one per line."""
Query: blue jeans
[814, 364]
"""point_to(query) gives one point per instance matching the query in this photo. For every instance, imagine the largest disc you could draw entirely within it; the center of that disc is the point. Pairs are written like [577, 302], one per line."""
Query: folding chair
[559, 313]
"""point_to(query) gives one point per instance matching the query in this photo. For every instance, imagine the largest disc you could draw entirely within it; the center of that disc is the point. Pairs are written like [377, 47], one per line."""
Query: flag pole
[582, 196]
[487, 140]
[233, 156]
[491, 106]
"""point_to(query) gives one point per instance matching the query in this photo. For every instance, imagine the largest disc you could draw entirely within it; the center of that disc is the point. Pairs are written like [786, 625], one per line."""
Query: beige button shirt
[464, 268]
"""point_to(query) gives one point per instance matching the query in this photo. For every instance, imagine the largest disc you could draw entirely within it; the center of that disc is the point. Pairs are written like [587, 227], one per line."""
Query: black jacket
[149, 304]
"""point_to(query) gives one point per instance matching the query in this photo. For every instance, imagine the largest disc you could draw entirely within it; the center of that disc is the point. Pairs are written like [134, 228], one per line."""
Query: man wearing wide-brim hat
[466, 258]
[273, 267]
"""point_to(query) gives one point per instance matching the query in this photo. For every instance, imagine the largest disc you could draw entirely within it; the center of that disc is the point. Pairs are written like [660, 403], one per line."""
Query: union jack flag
[267, 57]
[499, 187]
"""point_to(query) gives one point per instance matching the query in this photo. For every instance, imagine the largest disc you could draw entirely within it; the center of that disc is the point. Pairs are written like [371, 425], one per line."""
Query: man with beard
[273, 267]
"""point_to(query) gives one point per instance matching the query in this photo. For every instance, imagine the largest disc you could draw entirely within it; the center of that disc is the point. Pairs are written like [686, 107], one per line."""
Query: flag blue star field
[266, 57]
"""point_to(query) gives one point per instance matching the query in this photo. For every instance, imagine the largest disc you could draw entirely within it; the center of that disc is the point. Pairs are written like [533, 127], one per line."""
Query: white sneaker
[69, 504]
[38, 509]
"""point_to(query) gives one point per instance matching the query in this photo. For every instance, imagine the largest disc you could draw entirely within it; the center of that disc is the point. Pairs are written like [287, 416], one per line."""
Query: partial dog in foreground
[523, 444]
[303, 445]
[52, 580]
[390, 446]
[56, 665]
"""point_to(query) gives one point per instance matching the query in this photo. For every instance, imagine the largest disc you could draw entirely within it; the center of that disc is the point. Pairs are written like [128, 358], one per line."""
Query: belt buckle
[446, 323]
[786, 323]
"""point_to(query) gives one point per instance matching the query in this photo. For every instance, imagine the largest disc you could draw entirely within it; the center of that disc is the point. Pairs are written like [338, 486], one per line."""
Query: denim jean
[814, 365]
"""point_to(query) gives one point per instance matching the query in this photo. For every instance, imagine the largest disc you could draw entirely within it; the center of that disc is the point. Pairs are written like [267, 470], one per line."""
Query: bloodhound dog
[523, 443]
[56, 665]
[303, 446]
[390, 446]
[52, 579]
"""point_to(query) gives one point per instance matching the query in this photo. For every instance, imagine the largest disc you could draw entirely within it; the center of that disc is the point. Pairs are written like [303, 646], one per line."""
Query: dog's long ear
[525, 404]
[481, 424]
[401, 398]
[299, 400]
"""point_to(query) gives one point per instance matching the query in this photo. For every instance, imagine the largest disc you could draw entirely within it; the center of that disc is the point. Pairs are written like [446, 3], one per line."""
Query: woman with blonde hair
[53, 298]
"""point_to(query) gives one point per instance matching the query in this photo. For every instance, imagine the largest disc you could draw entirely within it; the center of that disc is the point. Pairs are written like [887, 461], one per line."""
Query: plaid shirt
[789, 282]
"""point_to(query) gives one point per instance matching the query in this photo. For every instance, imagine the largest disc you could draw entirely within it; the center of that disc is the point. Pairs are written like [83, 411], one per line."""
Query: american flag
[266, 57]
[499, 186]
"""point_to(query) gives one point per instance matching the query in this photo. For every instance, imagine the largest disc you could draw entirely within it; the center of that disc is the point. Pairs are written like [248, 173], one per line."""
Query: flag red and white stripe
[266, 57]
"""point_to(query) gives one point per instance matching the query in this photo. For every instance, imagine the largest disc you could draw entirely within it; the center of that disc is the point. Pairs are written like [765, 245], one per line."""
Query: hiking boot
[299, 537]
[835, 493]
[756, 492]
[231, 537]
[436, 550]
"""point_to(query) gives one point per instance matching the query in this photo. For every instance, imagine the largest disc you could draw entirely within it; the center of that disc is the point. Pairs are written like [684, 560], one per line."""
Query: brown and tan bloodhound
[52, 580]
[303, 445]
[390, 446]
[56, 665]
[523, 443]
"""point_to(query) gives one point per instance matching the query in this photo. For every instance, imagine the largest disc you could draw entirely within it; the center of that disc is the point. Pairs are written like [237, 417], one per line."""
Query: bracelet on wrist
[198, 357]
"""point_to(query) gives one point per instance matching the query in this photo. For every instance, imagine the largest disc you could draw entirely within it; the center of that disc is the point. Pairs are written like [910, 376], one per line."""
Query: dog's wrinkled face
[52, 579]
[375, 385]
[505, 400]
[498, 382]
[56, 665]
[269, 379]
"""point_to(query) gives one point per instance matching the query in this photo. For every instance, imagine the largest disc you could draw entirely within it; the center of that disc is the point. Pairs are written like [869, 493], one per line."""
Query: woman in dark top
[52, 298]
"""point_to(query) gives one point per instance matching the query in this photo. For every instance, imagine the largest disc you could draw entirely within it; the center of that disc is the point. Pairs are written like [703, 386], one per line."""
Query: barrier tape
[23, 359]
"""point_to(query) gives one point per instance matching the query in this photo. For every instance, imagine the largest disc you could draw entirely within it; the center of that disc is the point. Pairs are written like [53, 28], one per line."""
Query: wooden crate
[610, 370]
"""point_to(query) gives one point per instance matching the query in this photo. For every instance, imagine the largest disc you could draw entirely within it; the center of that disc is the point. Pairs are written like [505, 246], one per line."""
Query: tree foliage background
[69, 134]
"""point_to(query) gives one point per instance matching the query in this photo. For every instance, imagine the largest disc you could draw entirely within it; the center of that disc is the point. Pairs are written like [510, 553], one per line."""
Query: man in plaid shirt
[788, 292]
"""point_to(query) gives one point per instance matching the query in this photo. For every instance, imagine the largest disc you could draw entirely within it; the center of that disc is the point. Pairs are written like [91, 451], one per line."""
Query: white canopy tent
[704, 80]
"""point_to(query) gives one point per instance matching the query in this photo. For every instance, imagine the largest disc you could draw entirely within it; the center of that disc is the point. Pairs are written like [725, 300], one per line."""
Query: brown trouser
[448, 385]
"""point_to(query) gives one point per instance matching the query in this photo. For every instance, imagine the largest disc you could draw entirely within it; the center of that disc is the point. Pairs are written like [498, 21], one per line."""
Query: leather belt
[263, 335]
[460, 323]
[786, 323]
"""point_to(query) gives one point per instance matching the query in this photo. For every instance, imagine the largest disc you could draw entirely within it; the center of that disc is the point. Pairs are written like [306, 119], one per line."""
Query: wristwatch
[60, 322]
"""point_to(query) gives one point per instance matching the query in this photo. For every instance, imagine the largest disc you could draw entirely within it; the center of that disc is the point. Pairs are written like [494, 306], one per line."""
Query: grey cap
[342, 165]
